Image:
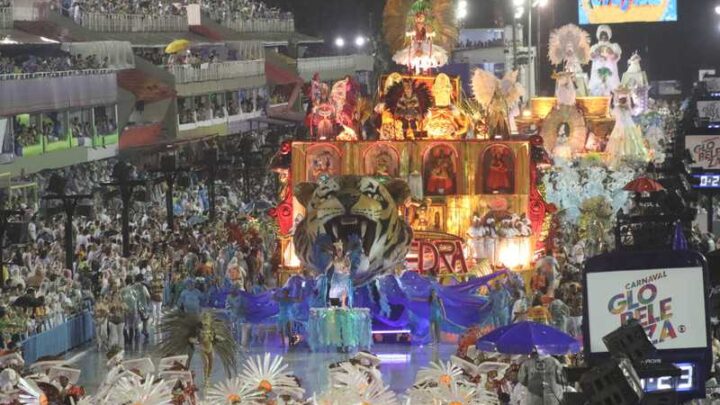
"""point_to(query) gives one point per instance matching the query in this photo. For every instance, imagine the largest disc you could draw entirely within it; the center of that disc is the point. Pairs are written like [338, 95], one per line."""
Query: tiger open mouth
[342, 228]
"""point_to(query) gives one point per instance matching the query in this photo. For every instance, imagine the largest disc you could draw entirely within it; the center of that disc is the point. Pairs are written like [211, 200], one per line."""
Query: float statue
[420, 32]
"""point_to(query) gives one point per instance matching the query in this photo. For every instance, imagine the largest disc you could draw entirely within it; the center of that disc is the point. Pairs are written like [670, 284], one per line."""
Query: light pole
[56, 188]
[122, 175]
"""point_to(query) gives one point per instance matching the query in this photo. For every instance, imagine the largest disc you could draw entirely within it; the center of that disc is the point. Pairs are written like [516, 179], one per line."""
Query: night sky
[669, 50]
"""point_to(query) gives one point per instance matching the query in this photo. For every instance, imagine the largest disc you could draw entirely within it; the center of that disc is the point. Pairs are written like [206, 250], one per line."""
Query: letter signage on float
[668, 303]
[626, 11]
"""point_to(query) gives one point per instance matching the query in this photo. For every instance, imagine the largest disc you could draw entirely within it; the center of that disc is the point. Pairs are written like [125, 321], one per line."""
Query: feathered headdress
[421, 91]
[399, 14]
[572, 38]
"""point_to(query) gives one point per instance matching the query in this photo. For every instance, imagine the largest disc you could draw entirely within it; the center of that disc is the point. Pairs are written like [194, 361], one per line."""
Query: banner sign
[626, 11]
[704, 150]
[668, 303]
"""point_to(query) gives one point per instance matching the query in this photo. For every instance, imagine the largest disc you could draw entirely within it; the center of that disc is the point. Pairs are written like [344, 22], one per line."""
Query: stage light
[526, 113]
[518, 3]
[542, 3]
[339, 42]
[360, 41]
[717, 10]
[519, 13]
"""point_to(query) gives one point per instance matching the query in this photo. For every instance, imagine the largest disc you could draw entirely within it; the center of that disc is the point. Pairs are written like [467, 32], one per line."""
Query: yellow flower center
[233, 398]
[445, 380]
[265, 386]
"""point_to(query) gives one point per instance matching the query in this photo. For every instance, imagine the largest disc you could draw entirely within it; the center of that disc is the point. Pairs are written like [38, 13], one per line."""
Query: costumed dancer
[569, 50]
[500, 302]
[497, 97]
[604, 78]
[116, 319]
[636, 80]
[102, 311]
[190, 298]
[437, 316]
[183, 332]
[421, 54]
[157, 289]
[626, 143]
[285, 318]
[129, 297]
[340, 293]
[143, 304]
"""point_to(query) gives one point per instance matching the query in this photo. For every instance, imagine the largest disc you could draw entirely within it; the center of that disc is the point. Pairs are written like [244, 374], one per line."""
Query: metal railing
[284, 22]
[6, 18]
[131, 22]
[345, 62]
[217, 71]
[39, 75]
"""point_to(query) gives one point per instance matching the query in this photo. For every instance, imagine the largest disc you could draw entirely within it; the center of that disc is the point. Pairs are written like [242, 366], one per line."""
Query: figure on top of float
[569, 49]
[626, 142]
[444, 120]
[419, 32]
[498, 97]
[604, 78]
[323, 115]
[636, 80]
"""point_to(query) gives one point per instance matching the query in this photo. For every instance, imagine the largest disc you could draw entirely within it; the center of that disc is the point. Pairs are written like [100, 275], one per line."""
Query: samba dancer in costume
[626, 141]
[340, 292]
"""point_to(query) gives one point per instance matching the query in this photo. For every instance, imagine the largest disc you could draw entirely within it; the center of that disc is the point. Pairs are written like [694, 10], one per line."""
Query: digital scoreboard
[707, 180]
[686, 382]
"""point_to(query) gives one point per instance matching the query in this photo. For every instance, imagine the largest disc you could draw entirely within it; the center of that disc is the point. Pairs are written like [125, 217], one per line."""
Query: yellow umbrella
[177, 45]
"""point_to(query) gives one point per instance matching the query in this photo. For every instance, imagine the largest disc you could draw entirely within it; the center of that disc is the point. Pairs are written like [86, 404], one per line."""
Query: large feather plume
[180, 328]
[572, 37]
[484, 84]
[398, 19]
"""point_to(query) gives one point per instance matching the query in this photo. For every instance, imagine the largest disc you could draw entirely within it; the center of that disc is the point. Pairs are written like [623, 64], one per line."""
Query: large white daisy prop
[269, 375]
[439, 374]
[31, 393]
[131, 391]
[234, 391]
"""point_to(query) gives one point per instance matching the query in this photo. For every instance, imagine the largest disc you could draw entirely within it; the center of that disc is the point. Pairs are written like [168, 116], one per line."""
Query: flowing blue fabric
[392, 302]
[679, 240]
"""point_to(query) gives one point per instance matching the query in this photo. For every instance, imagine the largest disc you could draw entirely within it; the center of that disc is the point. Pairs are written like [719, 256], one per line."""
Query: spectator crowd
[28, 64]
[148, 8]
[40, 293]
[242, 10]
[492, 43]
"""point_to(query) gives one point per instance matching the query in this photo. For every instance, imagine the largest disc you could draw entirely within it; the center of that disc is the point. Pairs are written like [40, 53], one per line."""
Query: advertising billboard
[668, 303]
[626, 11]
[704, 151]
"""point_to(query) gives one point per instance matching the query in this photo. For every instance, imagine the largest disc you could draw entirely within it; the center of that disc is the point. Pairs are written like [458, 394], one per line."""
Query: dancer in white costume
[605, 55]
[626, 142]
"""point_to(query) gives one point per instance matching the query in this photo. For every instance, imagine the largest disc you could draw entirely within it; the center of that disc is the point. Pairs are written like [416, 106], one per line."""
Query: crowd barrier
[217, 71]
[130, 22]
[40, 75]
[279, 24]
[73, 333]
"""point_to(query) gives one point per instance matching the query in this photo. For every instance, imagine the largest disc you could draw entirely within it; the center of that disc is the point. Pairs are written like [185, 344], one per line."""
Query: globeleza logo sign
[668, 303]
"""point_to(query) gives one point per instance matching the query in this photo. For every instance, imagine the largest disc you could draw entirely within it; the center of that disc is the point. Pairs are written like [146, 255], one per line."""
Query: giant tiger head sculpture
[346, 208]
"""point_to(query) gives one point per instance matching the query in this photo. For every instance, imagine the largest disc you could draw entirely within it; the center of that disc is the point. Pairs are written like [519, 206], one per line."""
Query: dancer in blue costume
[437, 316]
[341, 291]
[500, 302]
[190, 300]
[286, 316]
